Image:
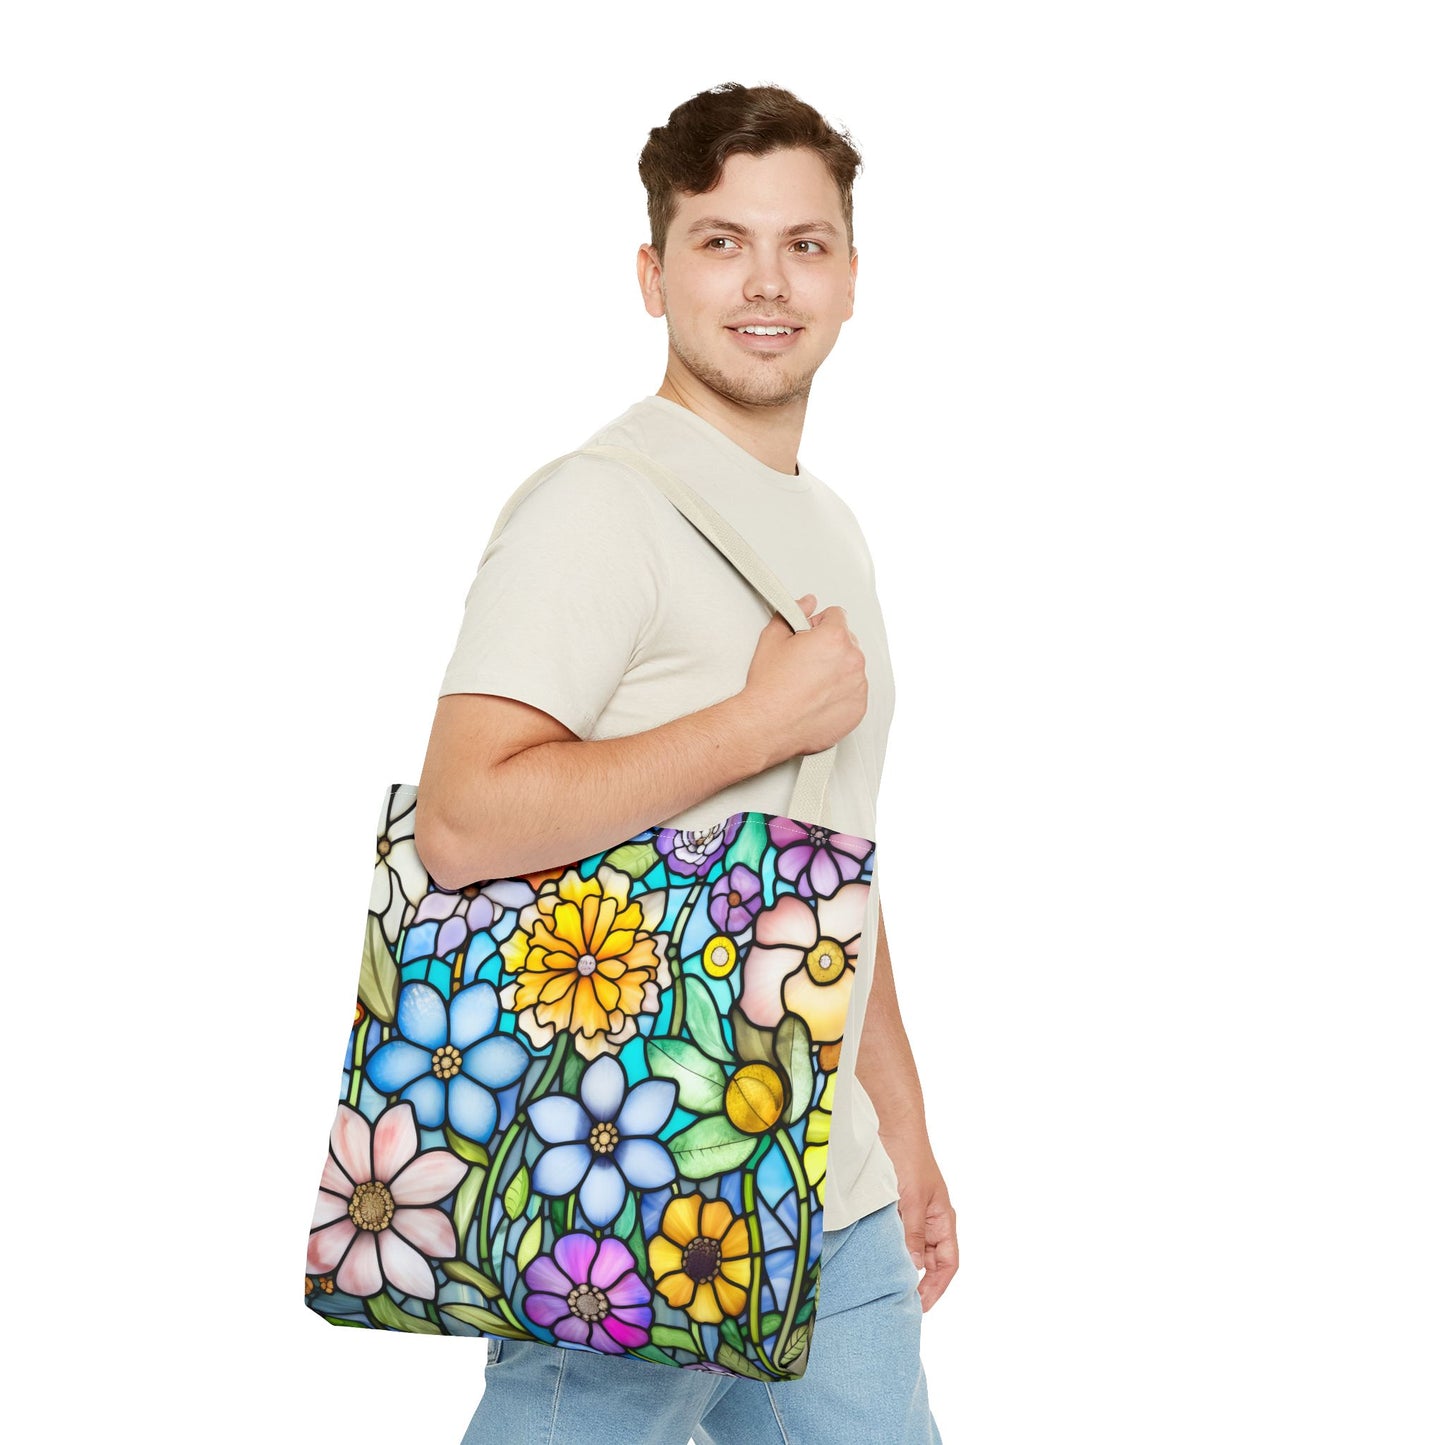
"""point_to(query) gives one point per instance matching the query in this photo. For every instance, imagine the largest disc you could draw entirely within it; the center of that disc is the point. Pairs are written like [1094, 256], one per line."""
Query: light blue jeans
[864, 1384]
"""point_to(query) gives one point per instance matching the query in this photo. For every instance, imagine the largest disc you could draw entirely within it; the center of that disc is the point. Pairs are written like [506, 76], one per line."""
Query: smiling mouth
[777, 330]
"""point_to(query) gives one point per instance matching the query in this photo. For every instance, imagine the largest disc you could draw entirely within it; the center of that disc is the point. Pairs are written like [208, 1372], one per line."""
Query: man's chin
[770, 390]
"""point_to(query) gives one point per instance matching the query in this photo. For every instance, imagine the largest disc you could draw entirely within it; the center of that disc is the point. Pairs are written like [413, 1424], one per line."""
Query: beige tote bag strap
[810, 790]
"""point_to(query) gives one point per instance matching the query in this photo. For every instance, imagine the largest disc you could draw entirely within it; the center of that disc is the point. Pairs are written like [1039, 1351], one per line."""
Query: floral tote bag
[590, 1106]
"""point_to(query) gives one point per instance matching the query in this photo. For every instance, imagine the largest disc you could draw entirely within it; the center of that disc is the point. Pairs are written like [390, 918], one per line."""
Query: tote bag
[590, 1106]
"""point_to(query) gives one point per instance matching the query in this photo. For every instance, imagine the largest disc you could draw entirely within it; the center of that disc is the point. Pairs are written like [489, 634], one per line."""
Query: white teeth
[766, 330]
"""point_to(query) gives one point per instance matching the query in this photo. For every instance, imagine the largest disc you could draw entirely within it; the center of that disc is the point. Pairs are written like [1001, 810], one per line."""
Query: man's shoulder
[582, 487]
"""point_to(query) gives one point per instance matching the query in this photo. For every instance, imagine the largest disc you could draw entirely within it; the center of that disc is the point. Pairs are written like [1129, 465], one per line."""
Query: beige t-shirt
[600, 604]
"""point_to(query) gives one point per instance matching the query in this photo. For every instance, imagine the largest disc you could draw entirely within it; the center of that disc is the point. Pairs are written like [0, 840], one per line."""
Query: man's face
[766, 246]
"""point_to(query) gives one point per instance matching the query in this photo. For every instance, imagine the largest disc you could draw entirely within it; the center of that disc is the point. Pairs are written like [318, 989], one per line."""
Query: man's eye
[717, 243]
[817, 247]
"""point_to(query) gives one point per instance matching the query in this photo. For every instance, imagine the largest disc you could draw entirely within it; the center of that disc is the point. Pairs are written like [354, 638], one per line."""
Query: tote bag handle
[810, 790]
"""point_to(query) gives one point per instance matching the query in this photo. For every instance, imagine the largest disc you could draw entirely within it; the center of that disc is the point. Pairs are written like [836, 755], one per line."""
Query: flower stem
[674, 951]
[358, 1053]
[800, 1261]
[755, 1242]
[489, 1193]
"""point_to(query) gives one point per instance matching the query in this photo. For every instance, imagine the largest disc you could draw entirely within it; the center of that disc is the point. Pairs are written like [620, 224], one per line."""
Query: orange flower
[587, 960]
[700, 1260]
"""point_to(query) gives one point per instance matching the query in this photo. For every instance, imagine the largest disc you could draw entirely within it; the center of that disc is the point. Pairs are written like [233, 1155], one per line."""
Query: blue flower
[447, 1063]
[602, 1143]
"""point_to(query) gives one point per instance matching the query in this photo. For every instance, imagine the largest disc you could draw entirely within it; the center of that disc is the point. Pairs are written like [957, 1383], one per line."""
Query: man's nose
[767, 280]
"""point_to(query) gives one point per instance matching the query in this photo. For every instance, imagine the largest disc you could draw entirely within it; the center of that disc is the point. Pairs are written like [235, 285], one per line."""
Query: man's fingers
[916, 1239]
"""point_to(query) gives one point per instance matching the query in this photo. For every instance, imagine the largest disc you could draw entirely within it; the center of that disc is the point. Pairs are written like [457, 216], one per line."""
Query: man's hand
[930, 1225]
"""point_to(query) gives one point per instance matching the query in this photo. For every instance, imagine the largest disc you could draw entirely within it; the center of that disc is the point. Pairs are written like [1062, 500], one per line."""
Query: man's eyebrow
[719, 223]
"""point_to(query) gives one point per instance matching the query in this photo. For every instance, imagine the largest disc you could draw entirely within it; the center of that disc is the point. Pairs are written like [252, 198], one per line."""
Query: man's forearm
[561, 801]
[885, 1058]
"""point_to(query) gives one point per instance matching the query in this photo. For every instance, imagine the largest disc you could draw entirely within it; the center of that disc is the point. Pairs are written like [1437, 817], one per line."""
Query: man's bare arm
[507, 789]
[887, 1071]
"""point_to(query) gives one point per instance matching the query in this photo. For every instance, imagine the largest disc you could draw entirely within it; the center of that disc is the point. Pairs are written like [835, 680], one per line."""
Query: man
[610, 676]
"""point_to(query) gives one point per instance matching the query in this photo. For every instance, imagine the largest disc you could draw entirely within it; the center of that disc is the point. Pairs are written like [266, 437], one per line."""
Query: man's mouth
[766, 330]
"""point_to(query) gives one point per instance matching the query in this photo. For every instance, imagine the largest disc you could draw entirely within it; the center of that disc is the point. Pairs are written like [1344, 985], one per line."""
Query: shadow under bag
[590, 1106]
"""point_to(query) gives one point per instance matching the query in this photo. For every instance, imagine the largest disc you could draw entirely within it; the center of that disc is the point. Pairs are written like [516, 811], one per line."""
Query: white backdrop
[1141, 412]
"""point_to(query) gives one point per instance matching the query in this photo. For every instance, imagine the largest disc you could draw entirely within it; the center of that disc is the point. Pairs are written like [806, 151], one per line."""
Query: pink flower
[370, 1228]
[803, 959]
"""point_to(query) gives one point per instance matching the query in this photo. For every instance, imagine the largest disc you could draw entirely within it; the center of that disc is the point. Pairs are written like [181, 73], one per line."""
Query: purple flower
[471, 909]
[735, 899]
[692, 851]
[588, 1292]
[604, 1143]
[816, 860]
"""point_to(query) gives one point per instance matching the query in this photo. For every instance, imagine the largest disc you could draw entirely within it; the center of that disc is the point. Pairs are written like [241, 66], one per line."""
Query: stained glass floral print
[372, 1223]
[590, 1106]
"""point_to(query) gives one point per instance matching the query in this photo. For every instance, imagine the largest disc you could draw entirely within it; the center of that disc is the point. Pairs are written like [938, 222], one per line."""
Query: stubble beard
[773, 387]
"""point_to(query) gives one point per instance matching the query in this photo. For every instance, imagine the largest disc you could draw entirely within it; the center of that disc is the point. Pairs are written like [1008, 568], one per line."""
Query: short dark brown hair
[687, 155]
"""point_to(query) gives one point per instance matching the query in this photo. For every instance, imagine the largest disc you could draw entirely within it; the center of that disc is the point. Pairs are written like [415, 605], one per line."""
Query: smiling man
[614, 673]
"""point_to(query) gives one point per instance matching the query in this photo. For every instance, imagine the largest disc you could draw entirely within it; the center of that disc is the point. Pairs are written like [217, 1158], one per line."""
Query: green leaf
[559, 1216]
[634, 859]
[805, 1309]
[519, 1191]
[703, 1022]
[797, 1343]
[651, 1352]
[795, 1054]
[731, 1333]
[670, 1337]
[572, 1068]
[627, 1218]
[731, 1359]
[711, 1146]
[484, 1319]
[701, 1082]
[463, 1273]
[754, 1046]
[390, 1316]
[769, 1323]
[531, 1243]
[380, 982]
[469, 1191]
[464, 1148]
[750, 844]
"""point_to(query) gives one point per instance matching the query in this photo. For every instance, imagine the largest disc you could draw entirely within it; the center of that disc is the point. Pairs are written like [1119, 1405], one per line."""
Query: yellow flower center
[702, 1259]
[603, 1138]
[734, 897]
[446, 1063]
[371, 1207]
[826, 960]
[383, 847]
[588, 1303]
[754, 1098]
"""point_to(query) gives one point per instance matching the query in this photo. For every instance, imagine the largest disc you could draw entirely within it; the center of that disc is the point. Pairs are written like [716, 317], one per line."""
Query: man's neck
[769, 433]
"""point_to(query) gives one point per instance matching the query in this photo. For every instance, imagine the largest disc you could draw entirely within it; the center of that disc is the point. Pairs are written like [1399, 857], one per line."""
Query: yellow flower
[754, 1098]
[719, 955]
[587, 961]
[700, 1260]
[820, 1124]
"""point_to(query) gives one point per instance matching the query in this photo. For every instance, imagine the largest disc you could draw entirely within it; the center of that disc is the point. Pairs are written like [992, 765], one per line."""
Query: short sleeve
[564, 595]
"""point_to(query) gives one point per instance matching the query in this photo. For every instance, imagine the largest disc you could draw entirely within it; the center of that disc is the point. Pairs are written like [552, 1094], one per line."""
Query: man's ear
[852, 280]
[649, 279]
